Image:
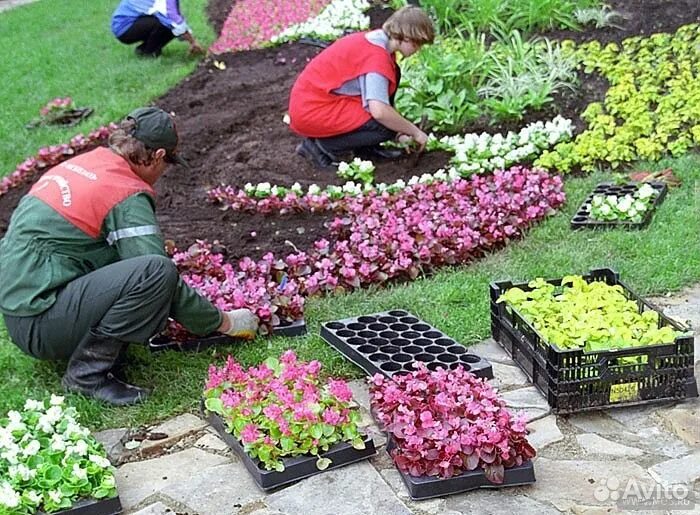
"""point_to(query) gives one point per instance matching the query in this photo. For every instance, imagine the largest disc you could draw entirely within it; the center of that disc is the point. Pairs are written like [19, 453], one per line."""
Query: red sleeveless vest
[84, 189]
[316, 112]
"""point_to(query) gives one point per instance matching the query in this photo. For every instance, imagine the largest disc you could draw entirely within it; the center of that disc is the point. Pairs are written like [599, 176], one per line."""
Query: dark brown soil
[232, 132]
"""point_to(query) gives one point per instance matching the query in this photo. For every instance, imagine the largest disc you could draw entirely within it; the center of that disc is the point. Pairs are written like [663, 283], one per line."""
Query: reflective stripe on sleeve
[130, 232]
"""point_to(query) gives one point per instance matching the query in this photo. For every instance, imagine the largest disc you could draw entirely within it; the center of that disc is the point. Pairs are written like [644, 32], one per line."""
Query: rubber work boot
[378, 152]
[310, 150]
[89, 372]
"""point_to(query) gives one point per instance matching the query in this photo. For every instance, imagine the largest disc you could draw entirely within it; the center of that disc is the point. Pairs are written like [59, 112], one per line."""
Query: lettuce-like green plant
[592, 316]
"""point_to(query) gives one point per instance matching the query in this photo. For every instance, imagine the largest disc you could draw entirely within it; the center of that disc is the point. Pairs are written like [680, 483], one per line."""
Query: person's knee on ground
[312, 150]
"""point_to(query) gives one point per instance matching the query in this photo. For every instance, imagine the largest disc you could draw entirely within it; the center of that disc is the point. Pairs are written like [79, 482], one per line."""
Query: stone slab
[567, 483]
[357, 488]
[544, 432]
[492, 351]
[596, 422]
[111, 439]
[176, 428]
[139, 480]
[684, 422]
[507, 377]
[498, 502]
[595, 444]
[232, 483]
[155, 509]
[683, 470]
[527, 401]
[360, 392]
[210, 442]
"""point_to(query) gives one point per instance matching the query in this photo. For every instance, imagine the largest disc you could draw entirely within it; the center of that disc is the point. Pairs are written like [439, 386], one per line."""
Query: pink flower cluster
[52, 155]
[378, 237]
[281, 407]
[251, 23]
[57, 104]
[249, 284]
[447, 422]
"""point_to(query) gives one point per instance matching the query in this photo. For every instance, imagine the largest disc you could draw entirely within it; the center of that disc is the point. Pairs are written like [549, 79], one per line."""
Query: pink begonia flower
[331, 417]
[250, 433]
[340, 390]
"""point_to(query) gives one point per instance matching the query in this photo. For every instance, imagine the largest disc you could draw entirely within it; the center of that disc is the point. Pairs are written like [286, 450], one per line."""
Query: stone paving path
[585, 462]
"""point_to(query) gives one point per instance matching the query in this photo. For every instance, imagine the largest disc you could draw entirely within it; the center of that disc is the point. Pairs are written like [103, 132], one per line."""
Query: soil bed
[232, 132]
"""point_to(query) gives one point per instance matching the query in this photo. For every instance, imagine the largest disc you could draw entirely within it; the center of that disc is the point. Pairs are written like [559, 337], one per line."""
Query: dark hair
[410, 23]
[123, 143]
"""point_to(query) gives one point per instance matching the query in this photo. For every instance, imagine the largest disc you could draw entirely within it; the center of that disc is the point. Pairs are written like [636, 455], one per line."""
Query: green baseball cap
[156, 129]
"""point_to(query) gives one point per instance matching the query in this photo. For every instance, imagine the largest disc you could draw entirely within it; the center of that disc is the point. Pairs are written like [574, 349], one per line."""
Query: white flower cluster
[335, 18]
[478, 153]
[22, 454]
[623, 207]
[357, 169]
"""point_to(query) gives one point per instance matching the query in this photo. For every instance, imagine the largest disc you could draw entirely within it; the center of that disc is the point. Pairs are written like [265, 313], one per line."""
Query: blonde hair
[410, 23]
[121, 142]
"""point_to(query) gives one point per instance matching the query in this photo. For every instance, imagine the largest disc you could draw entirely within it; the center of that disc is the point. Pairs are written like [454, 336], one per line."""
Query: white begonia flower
[100, 461]
[57, 443]
[611, 199]
[33, 496]
[31, 449]
[413, 180]
[605, 209]
[10, 455]
[631, 212]
[639, 205]
[624, 203]
[45, 424]
[314, 189]
[275, 191]
[366, 166]
[22, 472]
[343, 167]
[109, 480]
[264, 187]
[55, 496]
[8, 497]
[78, 472]
[249, 188]
[56, 400]
[15, 423]
[32, 405]
[296, 188]
[645, 191]
[597, 200]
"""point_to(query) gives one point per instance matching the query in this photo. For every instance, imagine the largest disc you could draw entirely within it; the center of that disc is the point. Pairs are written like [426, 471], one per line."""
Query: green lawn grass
[106, 76]
[58, 49]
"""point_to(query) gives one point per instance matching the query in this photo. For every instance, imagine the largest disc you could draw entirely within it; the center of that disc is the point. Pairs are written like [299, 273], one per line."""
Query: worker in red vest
[343, 99]
[83, 270]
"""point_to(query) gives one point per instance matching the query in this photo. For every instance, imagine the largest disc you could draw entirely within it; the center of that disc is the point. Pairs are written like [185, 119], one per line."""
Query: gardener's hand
[196, 48]
[419, 139]
[239, 323]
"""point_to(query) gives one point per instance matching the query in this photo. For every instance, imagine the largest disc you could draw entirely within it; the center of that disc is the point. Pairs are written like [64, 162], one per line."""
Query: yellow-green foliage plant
[651, 109]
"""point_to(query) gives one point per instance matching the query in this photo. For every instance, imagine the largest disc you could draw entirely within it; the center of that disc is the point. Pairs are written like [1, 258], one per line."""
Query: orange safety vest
[84, 189]
[314, 110]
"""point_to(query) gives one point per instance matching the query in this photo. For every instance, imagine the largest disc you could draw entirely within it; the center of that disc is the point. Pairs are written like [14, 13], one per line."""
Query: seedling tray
[111, 506]
[160, 343]
[427, 487]
[391, 342]
[574, 380]
[296, 468]
[582, 219]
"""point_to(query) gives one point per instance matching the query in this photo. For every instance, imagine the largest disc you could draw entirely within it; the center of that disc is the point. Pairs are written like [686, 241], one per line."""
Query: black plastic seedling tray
[427, 487]
[392, 341]
[296, 468]
[583, 220]
[160, 342]
[575, 380]
[111, 506]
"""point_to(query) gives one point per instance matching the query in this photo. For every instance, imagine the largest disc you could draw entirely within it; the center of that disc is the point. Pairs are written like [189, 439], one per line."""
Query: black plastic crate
[575, 380]
[583, 220]
[111, 506]
[295, 468]
[160, 342]
[390, 343]
[427, 487]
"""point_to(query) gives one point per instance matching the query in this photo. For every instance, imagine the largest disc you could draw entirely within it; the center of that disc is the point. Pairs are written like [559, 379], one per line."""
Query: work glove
[239, 323]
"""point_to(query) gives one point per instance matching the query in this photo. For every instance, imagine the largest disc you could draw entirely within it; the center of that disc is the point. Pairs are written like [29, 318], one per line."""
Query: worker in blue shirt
[153, 23]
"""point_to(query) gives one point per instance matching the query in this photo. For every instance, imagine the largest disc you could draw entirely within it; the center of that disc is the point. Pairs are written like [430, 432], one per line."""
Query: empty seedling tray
[427, 487]
[582, 219]
[111, 506]
[295, 468]
[391, 342]
[161, 342]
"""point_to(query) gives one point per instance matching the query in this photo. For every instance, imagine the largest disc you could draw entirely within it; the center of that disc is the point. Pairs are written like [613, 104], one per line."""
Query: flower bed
[629, 205]
[445, 424]
[285, 422]
[49, 462]
[599, 344]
